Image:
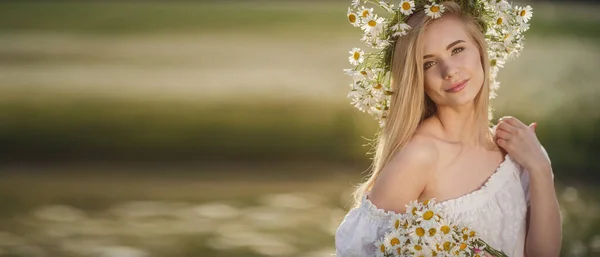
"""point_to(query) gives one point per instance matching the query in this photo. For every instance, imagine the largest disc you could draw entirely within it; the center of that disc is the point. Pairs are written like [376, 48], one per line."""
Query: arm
[544, 231]
[404, 177]
[543, 217]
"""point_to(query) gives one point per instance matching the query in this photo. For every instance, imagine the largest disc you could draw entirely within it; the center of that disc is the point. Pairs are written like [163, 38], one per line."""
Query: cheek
[474, 61]
[432, 82]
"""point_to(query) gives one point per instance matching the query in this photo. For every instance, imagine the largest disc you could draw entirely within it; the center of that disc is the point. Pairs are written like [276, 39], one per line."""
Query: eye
[458, 50]
[428, 64]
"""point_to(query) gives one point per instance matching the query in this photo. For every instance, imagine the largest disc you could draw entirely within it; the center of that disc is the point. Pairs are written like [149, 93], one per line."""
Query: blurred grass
[126, 18]
[109, 129]
[245, 201]
[167, 17]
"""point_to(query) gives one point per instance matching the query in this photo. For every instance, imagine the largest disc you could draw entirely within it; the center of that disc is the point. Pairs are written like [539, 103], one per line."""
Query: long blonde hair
[409, 104]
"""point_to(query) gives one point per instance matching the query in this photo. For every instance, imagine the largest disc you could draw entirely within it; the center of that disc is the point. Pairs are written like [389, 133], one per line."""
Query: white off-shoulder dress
[497, 211]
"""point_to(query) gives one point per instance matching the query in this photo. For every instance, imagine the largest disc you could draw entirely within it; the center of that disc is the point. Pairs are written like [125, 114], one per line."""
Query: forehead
[441, 32]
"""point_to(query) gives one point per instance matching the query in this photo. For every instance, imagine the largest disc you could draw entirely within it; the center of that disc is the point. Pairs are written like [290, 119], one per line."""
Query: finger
[503, 135]
[512, 121]
[533, 126]
[502, 143]
[515, 122]
[504, 125]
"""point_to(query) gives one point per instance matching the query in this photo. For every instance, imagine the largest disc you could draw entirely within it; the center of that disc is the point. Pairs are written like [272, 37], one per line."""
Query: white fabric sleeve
[361, 227]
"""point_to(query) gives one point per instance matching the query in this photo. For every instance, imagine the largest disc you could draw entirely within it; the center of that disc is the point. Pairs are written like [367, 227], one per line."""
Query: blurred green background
[222, 128]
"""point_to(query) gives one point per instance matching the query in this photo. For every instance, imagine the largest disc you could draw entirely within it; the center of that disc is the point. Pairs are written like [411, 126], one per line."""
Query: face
[452, 63]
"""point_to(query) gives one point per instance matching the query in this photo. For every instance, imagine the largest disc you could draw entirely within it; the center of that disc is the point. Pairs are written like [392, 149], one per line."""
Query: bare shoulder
[404, 177]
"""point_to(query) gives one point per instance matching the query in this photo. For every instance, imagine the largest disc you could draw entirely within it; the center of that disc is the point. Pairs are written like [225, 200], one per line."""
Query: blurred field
[185, 211]
[222, 129]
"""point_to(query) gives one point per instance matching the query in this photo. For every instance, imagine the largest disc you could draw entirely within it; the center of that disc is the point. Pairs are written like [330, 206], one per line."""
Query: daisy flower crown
[503, 26]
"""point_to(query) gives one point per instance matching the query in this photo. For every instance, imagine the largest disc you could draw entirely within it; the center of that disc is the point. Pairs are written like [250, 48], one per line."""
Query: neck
[458, 124]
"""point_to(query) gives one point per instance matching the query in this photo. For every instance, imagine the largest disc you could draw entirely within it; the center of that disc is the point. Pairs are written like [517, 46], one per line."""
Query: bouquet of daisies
[424, 231]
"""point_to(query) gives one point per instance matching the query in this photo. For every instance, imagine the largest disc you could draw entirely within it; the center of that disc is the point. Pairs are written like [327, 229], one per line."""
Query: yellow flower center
[382, 248]
[463, 246]
[356, 55]
[406, 6]
[426, 202]
[472, 234]
[445, 229]
[352, 17]
[378, 86]
[447, 246]
[418, 247]
[432, 231]
[365, 13]
[428, 215]
[397, 224]
[364, 73]
[372, 23]
[433, 253]
[499, 21]
[399, 250]
[420, 231]
[523, 13]
[414, 211]
[493, 62]
[394, 241]
[434, 8]
[465, 237]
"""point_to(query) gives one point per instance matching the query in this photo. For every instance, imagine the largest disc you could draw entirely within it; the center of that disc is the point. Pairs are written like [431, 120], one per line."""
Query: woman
[436, 143]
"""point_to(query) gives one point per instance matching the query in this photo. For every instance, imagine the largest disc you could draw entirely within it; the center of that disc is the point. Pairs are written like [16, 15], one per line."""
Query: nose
[450, 70]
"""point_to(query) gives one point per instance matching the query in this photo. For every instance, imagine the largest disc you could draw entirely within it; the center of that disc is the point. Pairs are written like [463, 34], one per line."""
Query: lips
[457, 84]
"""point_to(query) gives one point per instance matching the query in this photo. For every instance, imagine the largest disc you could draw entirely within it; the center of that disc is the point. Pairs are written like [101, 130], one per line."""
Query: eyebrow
[447, 48]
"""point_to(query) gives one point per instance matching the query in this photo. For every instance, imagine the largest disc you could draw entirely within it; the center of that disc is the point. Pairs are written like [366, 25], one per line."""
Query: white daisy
[382, 43]
[434, 10]
[524, 27]
[357, 75]
[417, 249]
[365, 12]
[429, 217]
[400, 29]
[501, 19]
[524, 13]
[386, 6]
[507, 38]
[500, 6]
[407, 7]
[494, 85]
[369, 39]
[353, 18]
[356, 56]
[367, 101]
[446, 230]
[373, 25]
[398, 221]
[380, 246]
[394, 240]
[412, 207]
[496, 64]
[377, 89]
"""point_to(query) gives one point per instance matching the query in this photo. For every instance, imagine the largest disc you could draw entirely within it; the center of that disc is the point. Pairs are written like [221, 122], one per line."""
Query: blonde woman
[436, 143]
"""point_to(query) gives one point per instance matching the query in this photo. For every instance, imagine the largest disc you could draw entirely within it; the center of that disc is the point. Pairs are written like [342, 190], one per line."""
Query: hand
[521, 143]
